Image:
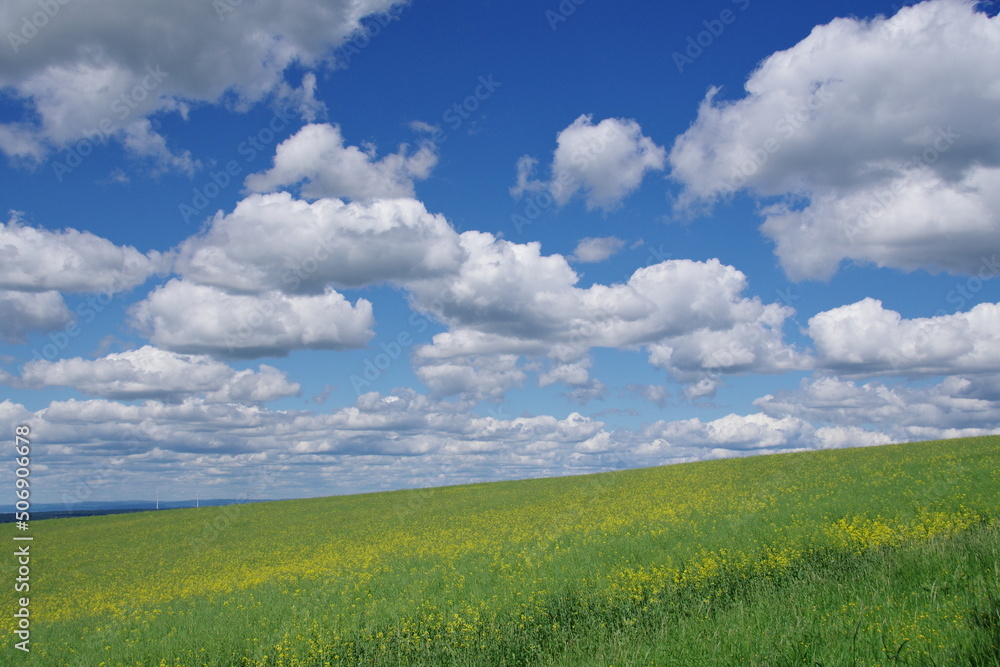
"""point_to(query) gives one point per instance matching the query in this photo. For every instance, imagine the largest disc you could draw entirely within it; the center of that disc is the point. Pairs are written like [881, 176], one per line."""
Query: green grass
[885, 555]
[832, 609]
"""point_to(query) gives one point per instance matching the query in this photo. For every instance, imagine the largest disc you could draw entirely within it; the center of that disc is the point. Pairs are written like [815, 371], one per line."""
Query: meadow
[871, 556]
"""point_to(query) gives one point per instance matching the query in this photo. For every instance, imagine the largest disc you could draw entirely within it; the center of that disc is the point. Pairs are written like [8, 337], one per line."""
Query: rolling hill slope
[833, 557]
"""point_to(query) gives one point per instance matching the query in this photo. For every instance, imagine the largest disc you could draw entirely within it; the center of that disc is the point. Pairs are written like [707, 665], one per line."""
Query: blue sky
[303, 249]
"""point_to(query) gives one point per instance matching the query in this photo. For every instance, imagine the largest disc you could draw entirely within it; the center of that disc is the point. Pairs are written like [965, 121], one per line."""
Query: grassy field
[884, 555]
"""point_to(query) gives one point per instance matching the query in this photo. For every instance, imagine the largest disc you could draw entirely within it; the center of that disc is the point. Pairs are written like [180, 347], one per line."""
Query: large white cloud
[39, 260]
[691, 317]
[103, 67]
[258, 281]
[316, 158]
[186, 317]
[604, 163]
[887, 129]
[37, 264]
[24, 312]
[149, 372]
[277, 242]
[916, 220]
[864, 338]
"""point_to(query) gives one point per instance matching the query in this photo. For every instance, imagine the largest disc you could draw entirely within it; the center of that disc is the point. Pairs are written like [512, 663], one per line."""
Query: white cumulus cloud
[317, 159]
[24, 312]
[691, 317]
[864, 338]
[37, 264]
[149, 372]
[484, 377]
[884, 128]
[36, 260]
[104, 68]
[604, 163]
[189, 318]
[275, 241]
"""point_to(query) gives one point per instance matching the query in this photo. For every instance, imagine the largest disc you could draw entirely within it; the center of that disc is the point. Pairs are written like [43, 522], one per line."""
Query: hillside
[829, 556]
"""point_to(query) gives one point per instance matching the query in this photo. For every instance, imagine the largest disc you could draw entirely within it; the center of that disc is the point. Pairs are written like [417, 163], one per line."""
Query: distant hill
[41, 511]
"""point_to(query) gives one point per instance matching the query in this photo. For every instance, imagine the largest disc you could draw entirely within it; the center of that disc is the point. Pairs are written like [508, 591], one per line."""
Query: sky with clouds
[310, 248]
